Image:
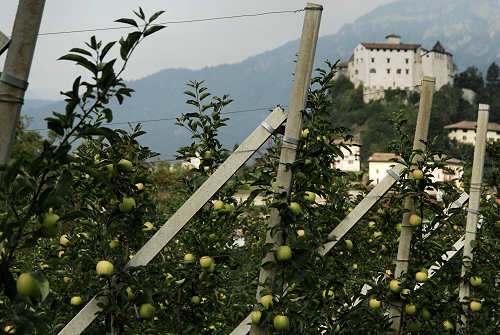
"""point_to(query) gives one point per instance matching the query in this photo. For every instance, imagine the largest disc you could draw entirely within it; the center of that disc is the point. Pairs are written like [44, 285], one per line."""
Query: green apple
[404, 293]
[195, 300]
[371, 224]
[63, 240]
[9, 329]
[284, 253]
[310, 196]
[410, 309]
[146, 311]
[188, 258]
[377, 234]
[125, 164]
[305, 133]
[218, 205]
[256, 315]
[111, 170]
[475, 306]
[426, 315]
[139, 186]
[267, 300]
[447, 325]
[50, 225]
[207, 154]
[294, 207]
[66, 279]
[418, 174]
[76, 301]
[374, 303]
[147, 226]
[281, 322]
[475, 281]
[398, 227]
[394, 285]
[415, 220]
[104, 268]
[211, 268]
[348, 244]
[127, 205]
[206, 262]
[114, 243]
[328, 294]
[228, 208]
[27, 285]
[355, 266]
[130, 293]
[421, 276]
[308, 161]
[300, 233]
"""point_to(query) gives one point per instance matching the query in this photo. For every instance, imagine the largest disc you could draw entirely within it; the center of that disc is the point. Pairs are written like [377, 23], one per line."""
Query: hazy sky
[189, 45]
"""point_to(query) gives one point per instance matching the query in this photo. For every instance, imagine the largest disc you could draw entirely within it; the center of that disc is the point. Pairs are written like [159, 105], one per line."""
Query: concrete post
[303, 71]
[13, 80]
[421, 131]
[475, 197]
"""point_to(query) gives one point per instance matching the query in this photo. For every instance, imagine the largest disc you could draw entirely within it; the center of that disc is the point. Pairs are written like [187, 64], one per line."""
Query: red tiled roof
[492, 126]
[393, 46]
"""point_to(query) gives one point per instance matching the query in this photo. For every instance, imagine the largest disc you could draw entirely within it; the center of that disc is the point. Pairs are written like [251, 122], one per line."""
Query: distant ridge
[470, 30]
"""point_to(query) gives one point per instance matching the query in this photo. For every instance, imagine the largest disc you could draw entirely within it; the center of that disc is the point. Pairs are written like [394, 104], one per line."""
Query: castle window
[356, 71]
[373, 71]
[388, 60]
[407, 71]
[398, 71]
[388, 71]
[407, 60]
[373, 60]
[464, 137]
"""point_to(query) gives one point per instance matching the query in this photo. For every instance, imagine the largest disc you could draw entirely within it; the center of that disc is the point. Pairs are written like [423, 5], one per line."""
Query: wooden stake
[13, 80]
[475, 197]
[301, 83]
[421, 131]
[177, 221]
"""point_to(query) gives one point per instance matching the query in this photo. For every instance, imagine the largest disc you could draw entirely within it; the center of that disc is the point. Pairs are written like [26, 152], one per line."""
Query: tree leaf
[81, 51]
[106, 49]
[152, 30]
[155, 16]
[128, 21]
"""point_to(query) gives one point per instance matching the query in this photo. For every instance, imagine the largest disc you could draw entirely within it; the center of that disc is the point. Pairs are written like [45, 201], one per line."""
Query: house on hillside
[396, 65]
[465, 132]
[380, 162]
[351, 160]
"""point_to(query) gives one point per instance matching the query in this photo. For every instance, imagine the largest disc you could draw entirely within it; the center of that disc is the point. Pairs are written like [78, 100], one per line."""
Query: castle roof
[492, 126]
[391, 46]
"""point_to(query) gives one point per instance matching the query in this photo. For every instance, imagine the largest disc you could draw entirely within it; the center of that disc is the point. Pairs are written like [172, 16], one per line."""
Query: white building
[380, 162]
[396, 65]
[351, 160]
[465, 132]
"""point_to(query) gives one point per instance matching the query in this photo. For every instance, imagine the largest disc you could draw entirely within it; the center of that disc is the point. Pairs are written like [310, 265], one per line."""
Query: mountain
[470, 30]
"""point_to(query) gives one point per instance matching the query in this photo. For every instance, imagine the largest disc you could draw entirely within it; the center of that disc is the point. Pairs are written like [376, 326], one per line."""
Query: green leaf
[152, 30]
[106, 49]
[110, 134]
[81, 51]
[108, 114]
[128, 21]
[190, 93]
[155, 16]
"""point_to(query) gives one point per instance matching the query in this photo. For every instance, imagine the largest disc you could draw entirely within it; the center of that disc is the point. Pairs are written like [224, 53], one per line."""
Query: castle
[396, 65]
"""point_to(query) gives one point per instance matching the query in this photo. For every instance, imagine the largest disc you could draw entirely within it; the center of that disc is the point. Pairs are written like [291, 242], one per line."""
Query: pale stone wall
[378, 170]
[351, 161]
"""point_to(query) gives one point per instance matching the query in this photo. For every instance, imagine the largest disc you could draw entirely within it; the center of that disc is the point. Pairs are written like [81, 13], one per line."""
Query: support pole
[302, 78]
[421, 131]
[475, 197]
[13, 80]
[4, 43]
